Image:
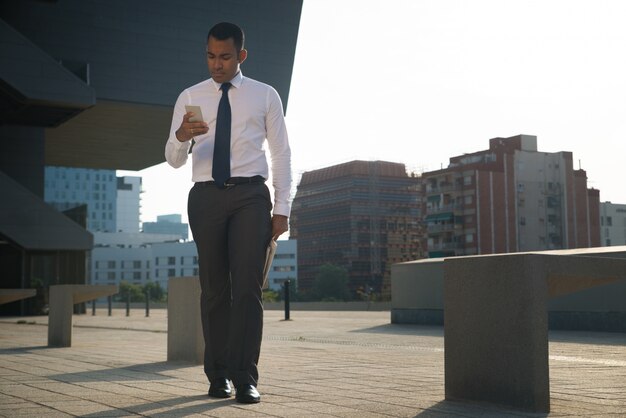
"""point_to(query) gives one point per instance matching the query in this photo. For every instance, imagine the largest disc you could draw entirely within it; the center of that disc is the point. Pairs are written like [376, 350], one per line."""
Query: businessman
[229, 206]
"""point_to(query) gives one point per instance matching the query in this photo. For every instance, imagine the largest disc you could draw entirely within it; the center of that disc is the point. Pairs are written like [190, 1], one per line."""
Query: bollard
[287, 282]
[93, 307]
[128, 303]
[110, 304]
[147, 302]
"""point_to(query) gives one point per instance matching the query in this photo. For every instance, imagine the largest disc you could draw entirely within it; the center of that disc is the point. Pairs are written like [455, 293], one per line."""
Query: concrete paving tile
[38, 412]
[235, 411]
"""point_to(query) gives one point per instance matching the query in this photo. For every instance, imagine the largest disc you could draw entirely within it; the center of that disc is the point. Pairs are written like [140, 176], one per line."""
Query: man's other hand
[280, 225]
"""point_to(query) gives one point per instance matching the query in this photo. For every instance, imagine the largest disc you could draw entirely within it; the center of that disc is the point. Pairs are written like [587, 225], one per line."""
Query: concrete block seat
[63, 297]
[11, 295]
[185, 341]
[496, 322]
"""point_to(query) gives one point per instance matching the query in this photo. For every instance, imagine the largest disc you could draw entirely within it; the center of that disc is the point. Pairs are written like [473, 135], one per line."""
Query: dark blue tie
[221, 152]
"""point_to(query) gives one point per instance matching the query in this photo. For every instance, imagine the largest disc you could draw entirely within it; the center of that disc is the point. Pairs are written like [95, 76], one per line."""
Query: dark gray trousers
[231, 228]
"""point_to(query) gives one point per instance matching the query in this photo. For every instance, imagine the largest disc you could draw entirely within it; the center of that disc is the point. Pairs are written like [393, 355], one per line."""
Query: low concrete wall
[417, 296]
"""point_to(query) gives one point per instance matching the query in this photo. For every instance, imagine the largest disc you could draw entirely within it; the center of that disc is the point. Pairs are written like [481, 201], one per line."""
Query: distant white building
[128, 204]
[285, 265]
[139, 258]
[168, 224]
[612, 224]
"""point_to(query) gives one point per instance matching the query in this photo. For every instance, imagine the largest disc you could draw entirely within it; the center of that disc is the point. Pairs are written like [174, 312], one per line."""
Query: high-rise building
[113, 203]
[362, 216]
[67, 188]
[510, 198]
[612, 224]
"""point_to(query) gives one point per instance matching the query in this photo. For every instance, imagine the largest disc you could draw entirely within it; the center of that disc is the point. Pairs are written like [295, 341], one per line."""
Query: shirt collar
[236, 81]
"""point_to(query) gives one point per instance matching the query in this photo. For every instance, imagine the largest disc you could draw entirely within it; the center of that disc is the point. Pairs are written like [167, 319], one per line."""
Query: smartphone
[197, 113]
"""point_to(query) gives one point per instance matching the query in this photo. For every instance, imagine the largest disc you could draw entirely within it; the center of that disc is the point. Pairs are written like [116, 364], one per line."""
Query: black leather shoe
[220, 388]
[247, 394]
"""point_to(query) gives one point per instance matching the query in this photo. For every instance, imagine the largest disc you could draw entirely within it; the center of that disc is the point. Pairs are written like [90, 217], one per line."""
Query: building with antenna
[362, 216]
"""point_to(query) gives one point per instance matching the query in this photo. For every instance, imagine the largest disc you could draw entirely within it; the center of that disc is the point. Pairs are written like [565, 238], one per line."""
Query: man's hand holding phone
[193, 124]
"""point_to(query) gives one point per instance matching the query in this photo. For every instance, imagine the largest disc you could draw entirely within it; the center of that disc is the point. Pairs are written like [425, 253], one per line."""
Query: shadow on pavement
[147, 372]
[23, 350]
[175, 407]
[405, 329]
[460, 409]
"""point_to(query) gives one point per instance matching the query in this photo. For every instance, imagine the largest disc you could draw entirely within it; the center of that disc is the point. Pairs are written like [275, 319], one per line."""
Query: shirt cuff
[179, 145]
[282, 209]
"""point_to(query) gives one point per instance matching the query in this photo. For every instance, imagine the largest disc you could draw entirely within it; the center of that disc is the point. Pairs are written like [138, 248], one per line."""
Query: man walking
[229, 206]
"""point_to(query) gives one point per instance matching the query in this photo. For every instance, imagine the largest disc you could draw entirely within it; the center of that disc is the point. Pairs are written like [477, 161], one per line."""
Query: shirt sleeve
[280, 153]
[176, 152]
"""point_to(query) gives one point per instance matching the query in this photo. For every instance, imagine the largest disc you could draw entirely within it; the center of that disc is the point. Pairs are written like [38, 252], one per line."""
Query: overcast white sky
[418, 82]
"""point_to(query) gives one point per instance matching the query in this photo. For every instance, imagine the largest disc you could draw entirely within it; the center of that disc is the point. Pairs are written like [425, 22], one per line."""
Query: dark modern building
[91, 84]
[509, 198]
[362, 216]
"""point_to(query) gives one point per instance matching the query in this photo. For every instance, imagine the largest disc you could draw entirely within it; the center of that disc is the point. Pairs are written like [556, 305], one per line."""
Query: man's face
[223, 59]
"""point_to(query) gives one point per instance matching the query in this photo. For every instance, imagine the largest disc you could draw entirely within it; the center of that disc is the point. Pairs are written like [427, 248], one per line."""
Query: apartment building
[510, 198]
[612, 224]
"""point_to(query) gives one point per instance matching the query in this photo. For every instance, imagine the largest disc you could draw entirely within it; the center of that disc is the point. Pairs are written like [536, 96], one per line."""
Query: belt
[234, 181]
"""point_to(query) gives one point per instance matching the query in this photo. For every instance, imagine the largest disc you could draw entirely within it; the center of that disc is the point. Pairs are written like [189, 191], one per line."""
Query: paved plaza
[319, 364]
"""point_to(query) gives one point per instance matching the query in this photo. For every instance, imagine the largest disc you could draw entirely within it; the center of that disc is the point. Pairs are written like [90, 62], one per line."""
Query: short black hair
[226, 30]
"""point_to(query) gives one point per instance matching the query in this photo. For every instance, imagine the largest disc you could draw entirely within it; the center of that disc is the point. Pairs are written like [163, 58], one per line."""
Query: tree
[331, 283]
[136, 292]
[157, 293]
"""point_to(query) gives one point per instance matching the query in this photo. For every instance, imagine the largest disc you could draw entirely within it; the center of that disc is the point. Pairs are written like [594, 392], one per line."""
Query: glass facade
[362, 216]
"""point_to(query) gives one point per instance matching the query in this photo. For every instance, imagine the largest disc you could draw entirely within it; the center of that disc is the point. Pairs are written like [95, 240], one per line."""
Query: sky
[418, 82]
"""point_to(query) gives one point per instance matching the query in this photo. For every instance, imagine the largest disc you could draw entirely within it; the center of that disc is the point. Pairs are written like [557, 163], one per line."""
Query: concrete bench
[496, 322]
[63, 297]
[185, 341]
[11, 295]
[417, 296]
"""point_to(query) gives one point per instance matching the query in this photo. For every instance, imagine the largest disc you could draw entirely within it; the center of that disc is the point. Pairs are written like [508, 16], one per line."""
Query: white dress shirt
[257, 115]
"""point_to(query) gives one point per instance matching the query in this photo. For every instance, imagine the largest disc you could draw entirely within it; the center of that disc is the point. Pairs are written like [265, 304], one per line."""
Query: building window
[111, 275]
[111, 264]
[171, 261]
[467, 180]
[609, 221]
[522, 220]
[284, 268]
[136, 264]
[469, 238]
[285, 256]
[468, 199]
[137, 275]
[171, 272]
